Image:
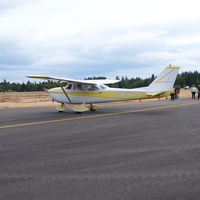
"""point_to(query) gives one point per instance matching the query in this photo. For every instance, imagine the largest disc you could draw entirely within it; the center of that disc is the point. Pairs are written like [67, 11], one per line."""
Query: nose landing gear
[62, 108]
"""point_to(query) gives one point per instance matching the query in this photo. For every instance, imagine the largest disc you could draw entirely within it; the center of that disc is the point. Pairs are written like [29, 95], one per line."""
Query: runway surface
[148, 150]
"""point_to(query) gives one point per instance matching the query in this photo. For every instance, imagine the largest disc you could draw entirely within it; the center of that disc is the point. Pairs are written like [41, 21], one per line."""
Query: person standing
[193, 91]
[176, 91]
[198, 91]
[172, 94]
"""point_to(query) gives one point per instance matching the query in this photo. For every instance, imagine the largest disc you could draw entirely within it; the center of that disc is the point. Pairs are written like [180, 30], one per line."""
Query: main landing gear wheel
[78, 112]
[91, 108]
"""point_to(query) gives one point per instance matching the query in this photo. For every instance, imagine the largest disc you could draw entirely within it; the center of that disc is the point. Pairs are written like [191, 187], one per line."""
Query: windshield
[69, 86]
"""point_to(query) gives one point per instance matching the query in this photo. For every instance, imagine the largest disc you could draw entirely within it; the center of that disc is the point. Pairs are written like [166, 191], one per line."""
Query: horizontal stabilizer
[155, 94]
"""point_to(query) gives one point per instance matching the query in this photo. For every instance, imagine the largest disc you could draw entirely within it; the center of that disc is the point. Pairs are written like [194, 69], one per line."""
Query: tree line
[7, 86]
[183, 79]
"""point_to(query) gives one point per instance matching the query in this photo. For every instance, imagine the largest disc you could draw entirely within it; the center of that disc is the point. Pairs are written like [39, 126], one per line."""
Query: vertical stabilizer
[165, 81]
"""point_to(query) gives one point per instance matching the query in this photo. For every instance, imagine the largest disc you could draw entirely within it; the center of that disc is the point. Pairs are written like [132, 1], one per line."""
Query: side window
[103, 87]
[77, 87]
[84, 87]
[92, 88]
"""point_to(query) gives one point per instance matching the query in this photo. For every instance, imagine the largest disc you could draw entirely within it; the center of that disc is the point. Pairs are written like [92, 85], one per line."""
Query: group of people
[195, 90]
[174, 94]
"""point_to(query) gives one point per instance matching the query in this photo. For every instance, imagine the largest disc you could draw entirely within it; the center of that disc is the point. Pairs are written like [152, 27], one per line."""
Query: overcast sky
[81, 38]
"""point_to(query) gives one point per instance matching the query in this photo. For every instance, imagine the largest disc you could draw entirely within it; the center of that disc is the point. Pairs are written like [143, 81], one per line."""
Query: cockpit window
[69, 86]
[85, 87]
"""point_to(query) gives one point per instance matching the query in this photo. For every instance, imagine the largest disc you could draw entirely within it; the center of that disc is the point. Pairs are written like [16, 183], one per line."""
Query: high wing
[89, 82]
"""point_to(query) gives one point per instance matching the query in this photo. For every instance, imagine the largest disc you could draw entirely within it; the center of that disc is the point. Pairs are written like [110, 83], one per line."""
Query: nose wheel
[61, 108]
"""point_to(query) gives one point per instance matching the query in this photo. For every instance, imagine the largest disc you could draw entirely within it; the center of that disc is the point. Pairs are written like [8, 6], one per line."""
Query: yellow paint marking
[100, 115]
[173, 67]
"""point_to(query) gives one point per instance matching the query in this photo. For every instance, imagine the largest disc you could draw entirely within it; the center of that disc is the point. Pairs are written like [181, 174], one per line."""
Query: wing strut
[66, 95]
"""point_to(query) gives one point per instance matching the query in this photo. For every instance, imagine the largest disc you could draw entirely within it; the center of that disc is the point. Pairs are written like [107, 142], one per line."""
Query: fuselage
[100, 93]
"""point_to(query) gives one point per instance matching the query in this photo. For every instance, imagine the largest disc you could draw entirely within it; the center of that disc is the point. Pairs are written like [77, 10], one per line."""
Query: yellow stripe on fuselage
[59, 88]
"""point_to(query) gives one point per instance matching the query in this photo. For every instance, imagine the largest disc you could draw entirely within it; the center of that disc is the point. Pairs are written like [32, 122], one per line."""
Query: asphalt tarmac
[143, 151]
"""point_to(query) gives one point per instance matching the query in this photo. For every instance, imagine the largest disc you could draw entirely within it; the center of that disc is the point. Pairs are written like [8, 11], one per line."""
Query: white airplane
[87, 93]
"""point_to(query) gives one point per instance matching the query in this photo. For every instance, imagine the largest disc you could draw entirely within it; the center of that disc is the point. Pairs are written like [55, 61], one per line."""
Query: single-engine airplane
[87, 93]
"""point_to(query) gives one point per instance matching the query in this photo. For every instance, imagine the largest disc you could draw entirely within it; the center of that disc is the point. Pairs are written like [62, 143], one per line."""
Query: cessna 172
[89, 92]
